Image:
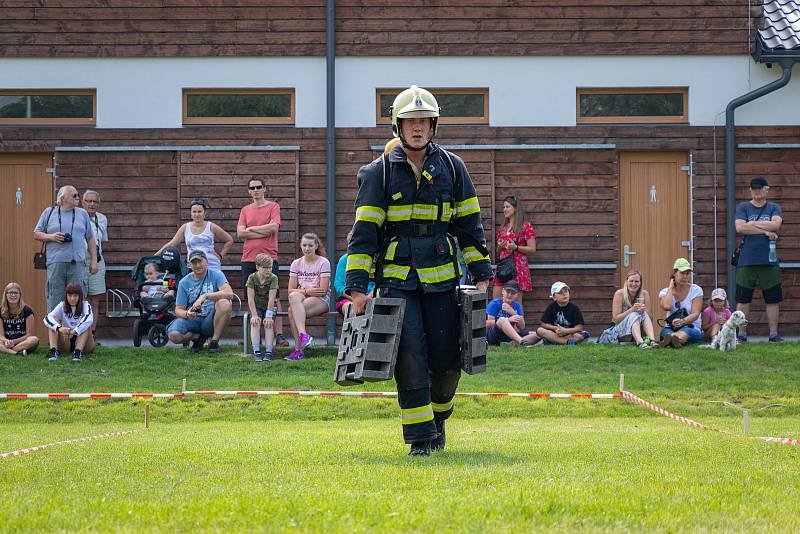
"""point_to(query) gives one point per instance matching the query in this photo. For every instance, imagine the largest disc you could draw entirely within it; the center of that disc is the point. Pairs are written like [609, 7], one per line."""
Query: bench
[245, 315]
[119, 304]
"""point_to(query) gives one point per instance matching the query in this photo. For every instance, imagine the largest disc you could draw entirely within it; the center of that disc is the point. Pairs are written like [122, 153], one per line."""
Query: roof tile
[781, 24]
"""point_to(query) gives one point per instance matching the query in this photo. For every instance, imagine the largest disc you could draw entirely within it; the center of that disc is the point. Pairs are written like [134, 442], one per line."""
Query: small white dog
[726, 337]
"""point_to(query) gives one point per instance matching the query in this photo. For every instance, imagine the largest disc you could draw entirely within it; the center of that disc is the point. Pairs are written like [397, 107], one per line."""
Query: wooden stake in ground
[147, 416]
[621, 382]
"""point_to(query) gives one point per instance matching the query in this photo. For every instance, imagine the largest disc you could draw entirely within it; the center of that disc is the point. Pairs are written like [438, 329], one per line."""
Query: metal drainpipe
[730, 163]
[330, 204]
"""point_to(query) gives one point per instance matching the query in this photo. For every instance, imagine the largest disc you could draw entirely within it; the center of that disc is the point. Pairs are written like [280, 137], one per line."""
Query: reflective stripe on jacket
[407, 261]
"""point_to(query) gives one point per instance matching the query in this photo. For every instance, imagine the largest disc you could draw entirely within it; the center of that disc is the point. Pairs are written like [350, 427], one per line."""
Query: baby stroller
[155, 313]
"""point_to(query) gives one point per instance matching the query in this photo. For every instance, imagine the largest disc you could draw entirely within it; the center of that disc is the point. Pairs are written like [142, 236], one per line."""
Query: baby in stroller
[155, 279]
[155, 286]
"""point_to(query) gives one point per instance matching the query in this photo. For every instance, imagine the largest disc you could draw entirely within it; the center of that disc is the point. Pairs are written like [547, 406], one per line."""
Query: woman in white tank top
[201, 235]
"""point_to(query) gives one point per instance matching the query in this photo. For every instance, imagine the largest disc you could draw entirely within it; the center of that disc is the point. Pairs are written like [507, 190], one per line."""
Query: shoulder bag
[40, 258]
[506, 268]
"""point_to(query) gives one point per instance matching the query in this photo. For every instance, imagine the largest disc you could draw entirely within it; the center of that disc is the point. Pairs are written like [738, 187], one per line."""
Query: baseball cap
[556, 287]
[512, 286]
[719, 294]
[758, 182]
[682, 265]
[197, 255]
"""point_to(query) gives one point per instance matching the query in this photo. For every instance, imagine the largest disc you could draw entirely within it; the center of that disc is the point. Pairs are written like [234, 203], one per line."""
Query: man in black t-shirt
[562, 321]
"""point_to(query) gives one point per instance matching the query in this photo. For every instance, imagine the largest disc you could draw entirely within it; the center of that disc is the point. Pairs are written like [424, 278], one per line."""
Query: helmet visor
[418, 113]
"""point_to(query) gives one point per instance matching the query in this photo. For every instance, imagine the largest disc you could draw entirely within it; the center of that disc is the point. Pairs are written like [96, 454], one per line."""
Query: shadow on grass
[459, 457]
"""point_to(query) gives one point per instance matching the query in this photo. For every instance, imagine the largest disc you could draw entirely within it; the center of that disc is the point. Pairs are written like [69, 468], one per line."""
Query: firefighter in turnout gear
[411, 203]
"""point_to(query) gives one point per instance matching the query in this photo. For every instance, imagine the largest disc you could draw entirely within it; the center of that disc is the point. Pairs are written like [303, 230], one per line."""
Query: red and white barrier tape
[294, 393]
[91, 395]
[633, 398]
[29, 450]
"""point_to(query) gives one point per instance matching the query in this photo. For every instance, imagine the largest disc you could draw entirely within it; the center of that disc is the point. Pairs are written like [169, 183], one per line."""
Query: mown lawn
[314, 464]
[514, 475]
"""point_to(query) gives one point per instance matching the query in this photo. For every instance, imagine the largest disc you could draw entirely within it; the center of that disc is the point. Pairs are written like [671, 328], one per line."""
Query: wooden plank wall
[780, 168]
[153, 28]
[572, 191]
[138, 191]
[221, 179]
[541, 28]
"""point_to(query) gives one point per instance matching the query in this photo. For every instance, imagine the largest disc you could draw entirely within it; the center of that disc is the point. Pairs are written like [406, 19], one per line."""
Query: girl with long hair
[309, 290]
[17, 336]
[70, 325]
[629, 315]
[515, 236]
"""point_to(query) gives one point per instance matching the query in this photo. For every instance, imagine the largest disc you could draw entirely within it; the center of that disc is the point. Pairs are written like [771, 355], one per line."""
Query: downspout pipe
[730, 162]
[330, 160]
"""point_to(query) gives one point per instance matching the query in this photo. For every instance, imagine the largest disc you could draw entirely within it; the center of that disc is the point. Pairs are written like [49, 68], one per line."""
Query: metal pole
[746, 414]
[330, 60]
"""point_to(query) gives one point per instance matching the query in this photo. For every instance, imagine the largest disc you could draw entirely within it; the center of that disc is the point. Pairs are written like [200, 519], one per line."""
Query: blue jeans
[200, 325]
[694, 334]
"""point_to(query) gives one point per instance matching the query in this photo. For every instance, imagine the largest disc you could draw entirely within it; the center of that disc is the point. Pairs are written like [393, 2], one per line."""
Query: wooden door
[654, 218]
[26, 188]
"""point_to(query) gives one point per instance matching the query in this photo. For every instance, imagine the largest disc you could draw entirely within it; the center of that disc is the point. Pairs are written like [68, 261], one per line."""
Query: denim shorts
[200, 325]
[694, 334]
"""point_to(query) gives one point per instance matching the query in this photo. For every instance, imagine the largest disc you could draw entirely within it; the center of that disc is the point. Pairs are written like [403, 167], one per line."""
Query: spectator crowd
[73, 239]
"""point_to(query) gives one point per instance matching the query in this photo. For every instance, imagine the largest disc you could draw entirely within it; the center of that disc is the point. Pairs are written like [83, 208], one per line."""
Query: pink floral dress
[523, 274]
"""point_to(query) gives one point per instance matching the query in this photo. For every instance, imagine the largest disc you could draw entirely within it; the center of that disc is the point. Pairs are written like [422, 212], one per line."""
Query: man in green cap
[411, 203]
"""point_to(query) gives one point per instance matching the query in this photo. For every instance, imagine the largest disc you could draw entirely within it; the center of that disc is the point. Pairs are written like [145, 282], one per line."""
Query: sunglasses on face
[255, 187]
[12, 293]
[76, 195]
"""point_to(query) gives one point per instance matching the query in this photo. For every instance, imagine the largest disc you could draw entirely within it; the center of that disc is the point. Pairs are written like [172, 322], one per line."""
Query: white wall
[536, 91]
[146, 93]
[540, 91]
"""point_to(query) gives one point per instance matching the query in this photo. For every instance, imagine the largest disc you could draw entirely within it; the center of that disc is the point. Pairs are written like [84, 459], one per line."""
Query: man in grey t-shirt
[758, 222]
[69, 237]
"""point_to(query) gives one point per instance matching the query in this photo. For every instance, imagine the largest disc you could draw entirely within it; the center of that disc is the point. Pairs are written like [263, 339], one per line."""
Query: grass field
[338, 464]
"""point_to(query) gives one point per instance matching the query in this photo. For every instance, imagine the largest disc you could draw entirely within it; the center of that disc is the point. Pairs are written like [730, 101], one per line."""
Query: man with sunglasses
[67, 234]
[258, 228]
[758, 222]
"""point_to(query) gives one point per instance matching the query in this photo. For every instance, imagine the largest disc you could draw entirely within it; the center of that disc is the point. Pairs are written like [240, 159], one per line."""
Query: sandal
[644, 345]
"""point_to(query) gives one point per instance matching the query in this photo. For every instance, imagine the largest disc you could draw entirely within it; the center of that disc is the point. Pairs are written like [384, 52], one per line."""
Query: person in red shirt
[258, 228]
[515, 237]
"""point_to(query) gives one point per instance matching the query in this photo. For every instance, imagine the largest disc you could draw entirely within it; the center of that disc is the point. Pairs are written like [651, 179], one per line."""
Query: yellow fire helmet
[412, 103]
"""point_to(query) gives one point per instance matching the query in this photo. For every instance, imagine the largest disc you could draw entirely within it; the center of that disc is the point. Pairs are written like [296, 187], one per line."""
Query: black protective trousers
[428, 361]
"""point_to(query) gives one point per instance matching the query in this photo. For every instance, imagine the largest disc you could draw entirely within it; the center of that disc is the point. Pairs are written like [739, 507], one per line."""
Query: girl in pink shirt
[309, 280]
[715, 314]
